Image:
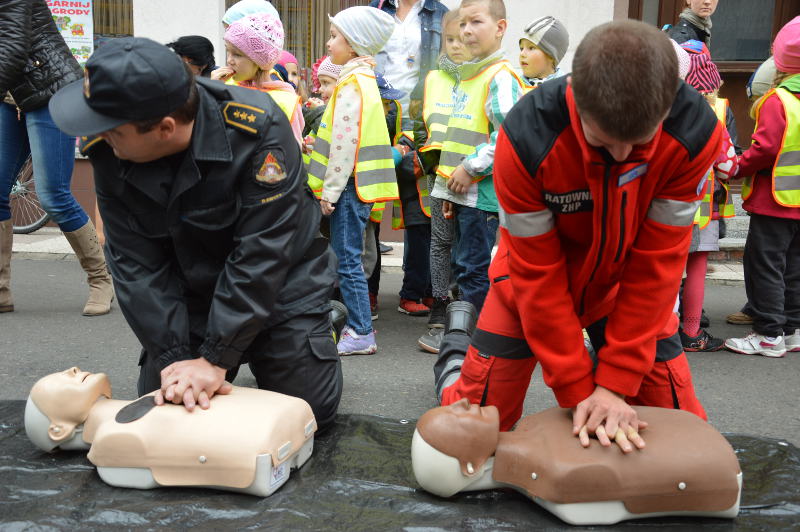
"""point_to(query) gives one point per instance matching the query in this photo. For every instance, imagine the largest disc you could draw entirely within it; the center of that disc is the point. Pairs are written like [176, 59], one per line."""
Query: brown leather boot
[6, 237]
[90, 255]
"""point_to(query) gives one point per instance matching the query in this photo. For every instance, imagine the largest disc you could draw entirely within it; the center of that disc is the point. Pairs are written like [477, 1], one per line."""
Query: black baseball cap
[125, 80]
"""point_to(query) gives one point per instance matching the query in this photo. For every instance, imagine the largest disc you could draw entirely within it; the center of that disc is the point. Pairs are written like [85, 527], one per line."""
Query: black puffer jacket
[34, 59]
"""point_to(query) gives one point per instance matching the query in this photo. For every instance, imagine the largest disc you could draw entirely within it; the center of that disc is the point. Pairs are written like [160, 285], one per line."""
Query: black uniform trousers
[772, 274]
[297, 357]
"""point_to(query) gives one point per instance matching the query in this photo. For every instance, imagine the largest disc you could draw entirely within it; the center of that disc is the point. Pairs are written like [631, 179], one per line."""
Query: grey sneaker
[431, 340]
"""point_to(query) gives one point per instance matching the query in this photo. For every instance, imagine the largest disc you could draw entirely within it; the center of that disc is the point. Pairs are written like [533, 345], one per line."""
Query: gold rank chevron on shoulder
[86, 143]
[245, 117]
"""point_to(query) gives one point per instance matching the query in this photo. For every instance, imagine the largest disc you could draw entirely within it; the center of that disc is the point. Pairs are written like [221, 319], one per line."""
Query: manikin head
[60, 402]
[452, 444]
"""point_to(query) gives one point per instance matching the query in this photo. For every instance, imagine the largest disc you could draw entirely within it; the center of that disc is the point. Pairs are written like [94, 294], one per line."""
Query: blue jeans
[416, 263]
[476, 231]
[348, 222]
[53, 155]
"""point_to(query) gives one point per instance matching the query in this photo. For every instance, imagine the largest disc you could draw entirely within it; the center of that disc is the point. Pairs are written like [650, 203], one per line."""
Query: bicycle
[27, 214]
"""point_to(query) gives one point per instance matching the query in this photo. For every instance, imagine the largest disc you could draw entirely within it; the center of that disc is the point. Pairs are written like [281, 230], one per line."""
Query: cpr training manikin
[686, 467]
[248, 441]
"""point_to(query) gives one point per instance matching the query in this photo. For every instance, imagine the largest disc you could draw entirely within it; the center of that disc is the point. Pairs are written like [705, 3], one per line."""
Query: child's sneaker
[437, 317]
[757, 344]
[412, 308]
[353, 343]
[702, 342]
[431, 340]
[373, 305]
[792, 341]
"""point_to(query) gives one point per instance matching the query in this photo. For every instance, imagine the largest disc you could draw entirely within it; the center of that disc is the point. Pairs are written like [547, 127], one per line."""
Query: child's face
[294, 73]
[339, 49]
[453, 46]
[243, 68]
[327, 84]
[481, 33]
[711, 97]
[535, 63]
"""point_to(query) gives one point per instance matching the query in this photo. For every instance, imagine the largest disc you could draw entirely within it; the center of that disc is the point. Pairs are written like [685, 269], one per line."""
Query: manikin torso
[686, 468]
[247, 441]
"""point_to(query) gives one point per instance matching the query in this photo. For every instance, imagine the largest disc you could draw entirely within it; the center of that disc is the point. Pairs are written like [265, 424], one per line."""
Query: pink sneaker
[354, 344]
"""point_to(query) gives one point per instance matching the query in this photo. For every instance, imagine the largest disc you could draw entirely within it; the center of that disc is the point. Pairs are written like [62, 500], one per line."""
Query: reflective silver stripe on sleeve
[527, 224]
[673, 212]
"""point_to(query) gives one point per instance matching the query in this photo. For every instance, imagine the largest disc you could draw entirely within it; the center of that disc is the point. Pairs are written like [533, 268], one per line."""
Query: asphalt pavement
[743, 394]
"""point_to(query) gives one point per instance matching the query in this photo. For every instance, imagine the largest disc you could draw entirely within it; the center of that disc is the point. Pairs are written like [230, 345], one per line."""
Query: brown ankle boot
[90, 255]
[6, 237]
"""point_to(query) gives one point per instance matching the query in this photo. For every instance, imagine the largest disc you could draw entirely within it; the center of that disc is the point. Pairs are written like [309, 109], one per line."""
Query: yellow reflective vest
[436, 107]
[286, 101]
[786, 171]
[468, 126]
[705, 211]
[374, 169]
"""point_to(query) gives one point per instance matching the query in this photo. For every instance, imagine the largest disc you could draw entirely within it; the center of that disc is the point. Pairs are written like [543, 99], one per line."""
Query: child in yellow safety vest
[429, 135]
[253, 44]
[771, 194]
[541, 48]
[704, 76]
[352, 160]
[486, 89]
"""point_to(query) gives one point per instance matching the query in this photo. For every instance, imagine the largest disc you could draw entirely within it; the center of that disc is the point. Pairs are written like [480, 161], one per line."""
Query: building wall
[165, 21]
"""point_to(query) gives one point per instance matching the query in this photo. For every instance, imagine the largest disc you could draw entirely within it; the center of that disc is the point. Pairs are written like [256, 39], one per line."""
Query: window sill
[738, 66]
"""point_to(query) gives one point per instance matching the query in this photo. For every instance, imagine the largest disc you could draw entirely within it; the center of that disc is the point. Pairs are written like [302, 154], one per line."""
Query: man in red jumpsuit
[598, 176]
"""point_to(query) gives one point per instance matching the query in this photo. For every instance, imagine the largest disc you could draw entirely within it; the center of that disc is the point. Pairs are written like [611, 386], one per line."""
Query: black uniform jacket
[207, 257]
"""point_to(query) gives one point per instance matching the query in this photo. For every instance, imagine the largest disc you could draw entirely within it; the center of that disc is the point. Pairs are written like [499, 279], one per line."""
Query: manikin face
[326, 84]
[339, 49]
[534, 62]
[702, 8]
[243, 68]
[618, 149]
[453, 45]
[294, 73]
[67, 397]
[480, 31]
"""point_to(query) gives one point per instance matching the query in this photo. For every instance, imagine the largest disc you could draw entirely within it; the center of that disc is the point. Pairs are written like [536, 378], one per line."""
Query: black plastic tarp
[359, 478]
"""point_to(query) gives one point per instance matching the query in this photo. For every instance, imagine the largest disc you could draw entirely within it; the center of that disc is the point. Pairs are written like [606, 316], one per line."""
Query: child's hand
[327, 207]
[222, 73]
[313, 103]
[447, 210]
[460, 181]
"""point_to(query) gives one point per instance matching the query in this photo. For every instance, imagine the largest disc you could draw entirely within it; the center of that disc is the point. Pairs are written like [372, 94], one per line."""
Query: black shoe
[704, 321]
[702, 342]
[437, 318]
[338, 318]
[383, 248]
[460, 316]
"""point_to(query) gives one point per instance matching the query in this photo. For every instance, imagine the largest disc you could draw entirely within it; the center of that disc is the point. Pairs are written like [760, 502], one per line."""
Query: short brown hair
[497, 8]
[625, 77]
[183, 114]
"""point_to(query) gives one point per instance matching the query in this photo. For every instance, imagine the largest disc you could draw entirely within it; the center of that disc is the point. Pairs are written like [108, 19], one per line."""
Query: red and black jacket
[584, 237]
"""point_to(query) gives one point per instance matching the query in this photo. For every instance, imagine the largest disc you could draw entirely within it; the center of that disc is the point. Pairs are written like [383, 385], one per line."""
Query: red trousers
[498, 366]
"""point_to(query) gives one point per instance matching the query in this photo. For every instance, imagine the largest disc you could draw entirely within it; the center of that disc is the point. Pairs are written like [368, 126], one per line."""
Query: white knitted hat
[367, 29]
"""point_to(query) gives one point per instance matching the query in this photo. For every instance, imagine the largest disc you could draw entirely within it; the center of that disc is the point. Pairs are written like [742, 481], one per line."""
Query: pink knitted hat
[286, 58]
[327, 68]
[259, 37]
[786, 47]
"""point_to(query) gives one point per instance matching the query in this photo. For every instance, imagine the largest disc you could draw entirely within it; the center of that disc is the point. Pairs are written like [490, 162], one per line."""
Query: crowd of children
[437, 179]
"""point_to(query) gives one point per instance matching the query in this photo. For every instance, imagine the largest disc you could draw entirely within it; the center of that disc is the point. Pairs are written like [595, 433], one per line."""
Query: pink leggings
[693, 291]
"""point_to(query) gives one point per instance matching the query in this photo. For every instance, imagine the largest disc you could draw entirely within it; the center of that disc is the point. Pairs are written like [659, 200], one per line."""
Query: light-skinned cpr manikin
[686, 468]
[247, 441]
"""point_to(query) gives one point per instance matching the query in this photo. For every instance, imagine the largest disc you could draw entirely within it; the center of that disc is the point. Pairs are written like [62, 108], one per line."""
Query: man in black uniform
[212, 233]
